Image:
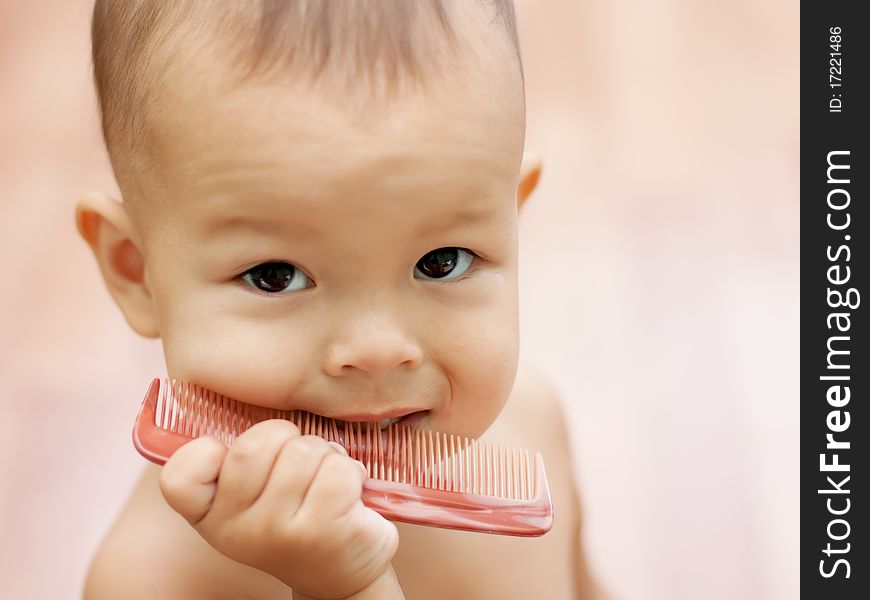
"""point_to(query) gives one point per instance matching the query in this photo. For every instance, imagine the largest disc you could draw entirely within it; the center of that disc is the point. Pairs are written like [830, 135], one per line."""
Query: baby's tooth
[387, 422]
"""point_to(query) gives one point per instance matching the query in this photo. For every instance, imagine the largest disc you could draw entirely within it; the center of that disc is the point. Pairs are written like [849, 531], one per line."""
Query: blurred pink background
[659, 291]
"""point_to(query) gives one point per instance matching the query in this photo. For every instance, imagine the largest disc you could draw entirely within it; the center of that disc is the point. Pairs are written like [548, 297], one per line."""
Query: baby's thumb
[189, 478]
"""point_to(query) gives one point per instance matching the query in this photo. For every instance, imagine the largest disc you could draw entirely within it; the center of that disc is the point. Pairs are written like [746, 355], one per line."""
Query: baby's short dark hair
[371, 43]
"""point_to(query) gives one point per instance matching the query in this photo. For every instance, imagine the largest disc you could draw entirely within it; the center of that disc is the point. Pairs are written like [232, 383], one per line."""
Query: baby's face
[356, 268]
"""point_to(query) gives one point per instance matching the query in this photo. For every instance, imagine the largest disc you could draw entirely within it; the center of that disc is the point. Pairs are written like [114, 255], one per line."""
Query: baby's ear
[530, 172]
[106, 226]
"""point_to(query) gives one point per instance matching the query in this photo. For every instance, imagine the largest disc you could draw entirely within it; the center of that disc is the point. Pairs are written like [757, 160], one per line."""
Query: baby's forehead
[308, 140]
[305, 168]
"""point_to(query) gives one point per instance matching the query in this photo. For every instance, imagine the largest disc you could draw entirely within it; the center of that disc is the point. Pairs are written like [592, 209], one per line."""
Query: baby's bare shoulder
[534, 418]
[477, 563]
[152, 552]
[533, 412]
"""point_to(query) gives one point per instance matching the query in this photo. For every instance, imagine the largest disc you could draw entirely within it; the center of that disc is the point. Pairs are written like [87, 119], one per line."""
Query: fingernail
[363, 467]
[339, 447]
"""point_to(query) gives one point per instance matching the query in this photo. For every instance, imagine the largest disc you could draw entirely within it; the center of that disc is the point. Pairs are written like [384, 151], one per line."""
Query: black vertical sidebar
[835, 378]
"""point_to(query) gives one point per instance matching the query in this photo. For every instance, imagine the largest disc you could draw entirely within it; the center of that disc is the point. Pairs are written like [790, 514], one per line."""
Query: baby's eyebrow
[224, 223]
[464, 216]
[446, 217]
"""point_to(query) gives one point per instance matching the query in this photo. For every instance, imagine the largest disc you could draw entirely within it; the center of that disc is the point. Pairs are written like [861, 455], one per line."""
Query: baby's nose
[374, 344]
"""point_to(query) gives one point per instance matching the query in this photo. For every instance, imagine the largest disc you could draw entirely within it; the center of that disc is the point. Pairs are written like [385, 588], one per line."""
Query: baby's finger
[295, 468]
[335, 489]
[188, 479]
[248, 463]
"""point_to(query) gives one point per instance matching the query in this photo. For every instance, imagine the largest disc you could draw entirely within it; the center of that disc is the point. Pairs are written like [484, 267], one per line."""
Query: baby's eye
[444, 264]
[276, 277]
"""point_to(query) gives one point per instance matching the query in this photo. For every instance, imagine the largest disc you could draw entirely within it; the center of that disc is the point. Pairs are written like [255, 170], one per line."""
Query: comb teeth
[399, 454]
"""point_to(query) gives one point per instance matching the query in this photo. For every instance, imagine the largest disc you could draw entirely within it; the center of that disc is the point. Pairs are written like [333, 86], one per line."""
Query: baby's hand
[286, 504]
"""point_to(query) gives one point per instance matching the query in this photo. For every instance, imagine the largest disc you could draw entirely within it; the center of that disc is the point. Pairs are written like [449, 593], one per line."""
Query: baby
[320, 212]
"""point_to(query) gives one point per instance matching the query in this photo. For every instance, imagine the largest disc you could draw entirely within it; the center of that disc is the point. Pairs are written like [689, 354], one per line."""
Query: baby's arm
[152, 552]
[555, 444]
[535, 418]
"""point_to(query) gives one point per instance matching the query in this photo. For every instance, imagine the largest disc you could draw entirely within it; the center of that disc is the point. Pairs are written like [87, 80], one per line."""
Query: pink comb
[415, 476]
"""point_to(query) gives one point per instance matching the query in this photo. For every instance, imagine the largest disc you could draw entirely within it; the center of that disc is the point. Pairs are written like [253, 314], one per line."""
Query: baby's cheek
[236, 360]
[482, 367]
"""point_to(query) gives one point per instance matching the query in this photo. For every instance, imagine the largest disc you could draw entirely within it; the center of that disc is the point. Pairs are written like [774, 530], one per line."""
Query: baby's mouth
[407, 420]
[360, 437]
